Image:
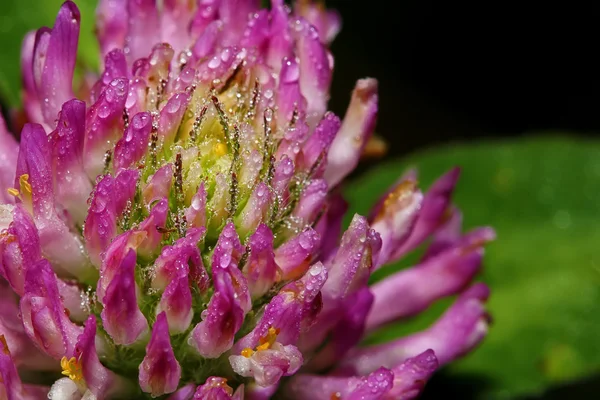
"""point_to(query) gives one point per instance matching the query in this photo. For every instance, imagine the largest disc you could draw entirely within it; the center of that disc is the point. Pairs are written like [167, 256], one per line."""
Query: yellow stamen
[25, 185]
[71, 368]
[247, 352]
[266, 342]
[25, 193]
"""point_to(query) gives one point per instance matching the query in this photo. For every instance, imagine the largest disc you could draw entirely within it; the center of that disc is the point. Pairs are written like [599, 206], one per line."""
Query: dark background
[452, 71]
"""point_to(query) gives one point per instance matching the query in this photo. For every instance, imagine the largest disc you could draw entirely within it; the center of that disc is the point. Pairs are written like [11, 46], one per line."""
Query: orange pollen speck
[400, 194]
[336, 396]
[5, 349]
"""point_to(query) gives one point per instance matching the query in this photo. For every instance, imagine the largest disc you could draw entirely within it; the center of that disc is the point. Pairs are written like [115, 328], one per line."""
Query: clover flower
[173, 227]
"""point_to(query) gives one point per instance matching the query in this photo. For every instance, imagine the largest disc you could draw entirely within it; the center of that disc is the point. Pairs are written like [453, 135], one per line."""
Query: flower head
[173, 228]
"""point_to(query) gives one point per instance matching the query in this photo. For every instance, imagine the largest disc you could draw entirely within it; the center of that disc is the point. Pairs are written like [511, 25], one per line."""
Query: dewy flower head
[172, 228]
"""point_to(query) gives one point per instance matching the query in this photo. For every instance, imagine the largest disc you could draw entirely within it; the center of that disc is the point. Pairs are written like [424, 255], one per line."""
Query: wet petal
[159, 371]
[356, 129]
[120, 304]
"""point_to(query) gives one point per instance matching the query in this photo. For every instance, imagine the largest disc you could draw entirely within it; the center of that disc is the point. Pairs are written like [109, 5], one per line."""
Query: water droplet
[214, 63]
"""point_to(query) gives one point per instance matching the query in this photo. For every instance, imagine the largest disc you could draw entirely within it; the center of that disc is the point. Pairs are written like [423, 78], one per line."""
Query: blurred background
[510, 92]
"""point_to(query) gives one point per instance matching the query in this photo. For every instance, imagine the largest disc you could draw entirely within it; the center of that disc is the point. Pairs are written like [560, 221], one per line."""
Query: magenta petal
[312, 201]
[115, 66]
[43, 313]
[206, 13]
[371, 387]
[170, 118]
[457, 332]
[354, 133]
[234, 14]
[442, 275]
[104, 125]
[72, 296]
[159, 185]
[125, 185]
[132, 147]
[289, 97]
[327, 22]
[100, 226]
[101, 381]
[23, 354]
[350, 268]
[184, 80]
[141, 36]
[155, 69]
[136, 96]
[59, 245]
[225, 260]
[256, 209]
[9, 150]
[176, 303]
[215, 388]
[284, 170]
[432, 212]
[315, 69]
[111, 24]
[281, 42]
[317, 145]
[59, 57]
[394, 217]
[159, 371]
[183, 254]
[329, 226]
[195, 214]
[31, 100]
[410, 376]
[222, 319]
[35, 159]
[175, 19]
[295, 255]
[152, 225]
[72, 184]
[260, 268]
[120, 304]
[112, 259]
[19, 249]
[257, 32]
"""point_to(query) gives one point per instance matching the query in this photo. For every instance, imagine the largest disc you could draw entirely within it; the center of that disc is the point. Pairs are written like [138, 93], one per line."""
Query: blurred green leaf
[543, 197]
[20, 17]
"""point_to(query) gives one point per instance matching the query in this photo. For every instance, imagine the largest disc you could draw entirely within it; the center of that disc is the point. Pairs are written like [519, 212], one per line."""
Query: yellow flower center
[72, 368]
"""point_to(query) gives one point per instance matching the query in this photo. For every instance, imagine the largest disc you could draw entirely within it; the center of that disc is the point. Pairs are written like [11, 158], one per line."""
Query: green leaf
[543, 197]
[20, 17]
